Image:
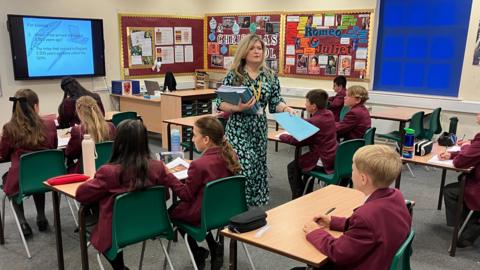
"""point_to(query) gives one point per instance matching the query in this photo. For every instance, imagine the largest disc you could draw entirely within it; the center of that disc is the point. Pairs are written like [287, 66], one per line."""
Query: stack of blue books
[235, 94]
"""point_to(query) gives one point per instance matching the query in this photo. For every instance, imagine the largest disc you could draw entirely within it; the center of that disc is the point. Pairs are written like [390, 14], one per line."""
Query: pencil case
[67, 179]
[248, 221]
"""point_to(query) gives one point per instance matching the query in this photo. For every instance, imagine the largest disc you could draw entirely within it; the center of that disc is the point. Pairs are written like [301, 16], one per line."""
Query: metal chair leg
[2, 221]
[167, 257]
[99, 260]
[190, 253]
[410, 169]
[465, 223]
[269, 174]
[73, 212]
[307, 184]
[248, 256]
[168, 251]
[144, 243]
[20, 230]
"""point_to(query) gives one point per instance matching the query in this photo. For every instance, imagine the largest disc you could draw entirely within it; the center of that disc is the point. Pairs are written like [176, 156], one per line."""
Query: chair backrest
[104, 152]
[119, 117]
[344, 157]
[416, 123]
[434, 125]
[37, 167]
[369, 136]
[138, 216]
[401, 260]
[343, 112]
[223, 199]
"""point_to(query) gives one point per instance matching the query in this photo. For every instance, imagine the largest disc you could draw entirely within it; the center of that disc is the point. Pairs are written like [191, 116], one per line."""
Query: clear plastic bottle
[88, 155]
[175, 140]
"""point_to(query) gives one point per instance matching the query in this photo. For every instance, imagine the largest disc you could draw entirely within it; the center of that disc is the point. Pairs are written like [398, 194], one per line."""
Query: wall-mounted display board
[151, 45]
[325, 44]
[224, 32]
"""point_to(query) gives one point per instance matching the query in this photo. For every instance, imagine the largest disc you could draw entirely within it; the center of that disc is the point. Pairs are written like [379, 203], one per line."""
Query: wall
[49, 91]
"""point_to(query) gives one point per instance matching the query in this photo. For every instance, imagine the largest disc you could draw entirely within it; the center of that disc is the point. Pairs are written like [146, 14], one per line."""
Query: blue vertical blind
[420, 47]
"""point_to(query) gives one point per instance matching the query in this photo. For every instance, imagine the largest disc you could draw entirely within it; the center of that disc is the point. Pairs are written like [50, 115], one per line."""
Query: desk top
[273, 135]
[67, 189]
[109, 115]
[138, 97]
[398, 113]
[297, 104]
[285, 235]
[189, 93]
[186, 121]
[424, 160]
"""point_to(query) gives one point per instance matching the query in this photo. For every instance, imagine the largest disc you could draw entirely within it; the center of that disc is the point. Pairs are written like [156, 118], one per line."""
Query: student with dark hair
[336, 102]
[73, 90]
[131, 168]
[218, 160]
[357, 120]
[322, 144]
[25, 132]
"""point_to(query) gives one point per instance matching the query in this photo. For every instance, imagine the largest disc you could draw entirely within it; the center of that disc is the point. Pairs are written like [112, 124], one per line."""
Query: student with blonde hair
[248, 132]
[25, 132]
[92, 122]
[376, 229]
[357, 120]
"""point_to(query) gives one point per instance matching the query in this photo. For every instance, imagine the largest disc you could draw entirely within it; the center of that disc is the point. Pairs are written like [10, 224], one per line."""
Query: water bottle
[408, 143]
[88, 155]
[175, 140]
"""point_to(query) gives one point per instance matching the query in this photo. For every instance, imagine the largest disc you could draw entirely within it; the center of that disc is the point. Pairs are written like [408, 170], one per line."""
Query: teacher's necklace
[257, 92]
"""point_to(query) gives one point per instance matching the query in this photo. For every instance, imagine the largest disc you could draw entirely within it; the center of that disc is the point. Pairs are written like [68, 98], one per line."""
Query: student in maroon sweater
[25, 132]
[468, 156]
[376, 229]
[357, 120]
[322, 144]
[131, 167]
[336, 102]
[72, 91]
[92, 122]
[218, 160]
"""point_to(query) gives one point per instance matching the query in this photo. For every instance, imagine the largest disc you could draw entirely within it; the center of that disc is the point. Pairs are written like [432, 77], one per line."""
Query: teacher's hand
[245, 106]
[289, 110]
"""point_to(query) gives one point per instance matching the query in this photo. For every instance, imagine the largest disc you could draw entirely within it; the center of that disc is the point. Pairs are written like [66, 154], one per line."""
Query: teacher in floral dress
[248, 132]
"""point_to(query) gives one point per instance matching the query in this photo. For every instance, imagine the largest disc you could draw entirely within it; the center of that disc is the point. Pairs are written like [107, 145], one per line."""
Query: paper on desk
[63, 142]
[435, 160]
[179, 168]
[454, 148]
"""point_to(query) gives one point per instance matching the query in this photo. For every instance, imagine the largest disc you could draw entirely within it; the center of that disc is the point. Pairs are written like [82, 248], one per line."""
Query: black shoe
[26, 230]
[42, 224]
[200, 255]
[217, 257]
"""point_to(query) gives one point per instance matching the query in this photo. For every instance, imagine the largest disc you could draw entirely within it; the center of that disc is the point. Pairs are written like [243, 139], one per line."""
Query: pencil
[330, 210]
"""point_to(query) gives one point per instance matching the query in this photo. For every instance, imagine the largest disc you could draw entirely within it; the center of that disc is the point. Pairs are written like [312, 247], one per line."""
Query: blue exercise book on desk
[233, 95]
[296, 126]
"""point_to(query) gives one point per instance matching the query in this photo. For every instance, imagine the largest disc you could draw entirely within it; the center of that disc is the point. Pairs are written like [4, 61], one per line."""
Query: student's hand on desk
[463, 142]
[245, 106]
[322, 220]
[310, 227]
[444, 156]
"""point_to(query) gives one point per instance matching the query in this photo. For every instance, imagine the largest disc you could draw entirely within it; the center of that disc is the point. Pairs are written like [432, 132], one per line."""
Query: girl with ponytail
[218, 160]
[25, 132]
[93, 123]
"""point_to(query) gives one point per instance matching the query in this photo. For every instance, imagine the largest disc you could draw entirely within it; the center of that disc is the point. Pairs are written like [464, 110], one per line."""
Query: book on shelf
[235, 94]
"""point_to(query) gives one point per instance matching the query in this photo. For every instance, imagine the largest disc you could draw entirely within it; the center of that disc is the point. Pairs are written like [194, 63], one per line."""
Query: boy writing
[375, 230]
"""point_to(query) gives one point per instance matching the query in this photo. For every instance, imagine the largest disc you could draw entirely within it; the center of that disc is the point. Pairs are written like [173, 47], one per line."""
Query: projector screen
[47, 47]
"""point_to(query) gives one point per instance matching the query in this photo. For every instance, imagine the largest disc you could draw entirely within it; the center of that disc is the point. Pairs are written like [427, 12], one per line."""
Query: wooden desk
[285, 235]
[183, 122]
[109, 115]
[400, 114]
[424, 161]
[184, 103]
[149, 109]
[68, 190]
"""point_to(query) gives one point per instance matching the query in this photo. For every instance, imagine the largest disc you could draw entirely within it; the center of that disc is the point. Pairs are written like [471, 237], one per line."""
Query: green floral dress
[248, 133]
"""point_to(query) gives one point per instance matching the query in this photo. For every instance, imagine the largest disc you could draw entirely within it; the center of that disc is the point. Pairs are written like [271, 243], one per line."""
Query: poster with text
[322, 44]
[224, 32]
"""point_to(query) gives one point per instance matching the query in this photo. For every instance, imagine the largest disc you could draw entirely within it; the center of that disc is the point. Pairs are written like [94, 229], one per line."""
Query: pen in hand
[330, 210]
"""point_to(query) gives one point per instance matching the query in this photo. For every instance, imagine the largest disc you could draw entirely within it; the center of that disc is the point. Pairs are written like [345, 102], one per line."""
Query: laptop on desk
[151, 87]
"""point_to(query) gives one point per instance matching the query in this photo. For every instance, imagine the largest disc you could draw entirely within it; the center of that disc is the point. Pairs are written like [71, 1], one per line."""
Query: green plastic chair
[416, 123]
[369, 136]
[131, 226]
[35, 168]
[342, 167]
[230, 191]
[119, 117]
[343, 112]
[434, 125]
[401, 260]
[104, 153]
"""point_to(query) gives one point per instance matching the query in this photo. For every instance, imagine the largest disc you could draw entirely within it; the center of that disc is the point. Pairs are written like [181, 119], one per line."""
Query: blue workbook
[296, 126]
[233, 95]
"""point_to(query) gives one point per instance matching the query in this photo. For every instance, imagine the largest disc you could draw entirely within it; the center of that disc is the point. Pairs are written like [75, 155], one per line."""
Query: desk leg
[397, 181]
[276, 143]
[442, 184]
[58, 229]
[233, 254]
[169, 142]
[401, 128]
[83, 236]
[191, 146]
[2, 237]
[458, 218]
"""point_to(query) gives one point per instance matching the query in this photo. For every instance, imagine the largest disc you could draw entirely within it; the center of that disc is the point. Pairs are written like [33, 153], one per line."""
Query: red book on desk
[67, 179]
